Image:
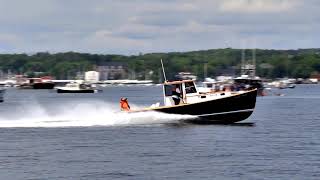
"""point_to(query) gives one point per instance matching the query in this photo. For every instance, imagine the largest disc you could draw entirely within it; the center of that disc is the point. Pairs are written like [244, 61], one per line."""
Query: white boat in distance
[127, 81]
[76, 87]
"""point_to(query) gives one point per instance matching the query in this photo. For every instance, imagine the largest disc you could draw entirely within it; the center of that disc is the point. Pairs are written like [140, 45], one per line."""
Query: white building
[91, 76]
[112, 70]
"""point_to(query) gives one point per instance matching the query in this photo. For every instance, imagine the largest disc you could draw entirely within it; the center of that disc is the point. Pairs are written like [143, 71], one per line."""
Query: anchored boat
[2, 91]
[183, 97]
[75, 87]
[36, 83]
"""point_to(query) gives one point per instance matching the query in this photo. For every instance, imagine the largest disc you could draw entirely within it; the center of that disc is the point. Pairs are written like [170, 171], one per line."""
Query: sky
[131, 27]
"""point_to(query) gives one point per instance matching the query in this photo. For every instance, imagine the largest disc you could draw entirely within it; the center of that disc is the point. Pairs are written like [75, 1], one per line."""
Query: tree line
[301, 63]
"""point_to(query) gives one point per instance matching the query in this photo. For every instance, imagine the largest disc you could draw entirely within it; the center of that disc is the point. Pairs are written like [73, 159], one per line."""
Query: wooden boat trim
[177, 82]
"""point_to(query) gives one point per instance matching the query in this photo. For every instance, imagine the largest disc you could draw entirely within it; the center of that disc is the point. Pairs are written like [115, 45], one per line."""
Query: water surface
[44, 135]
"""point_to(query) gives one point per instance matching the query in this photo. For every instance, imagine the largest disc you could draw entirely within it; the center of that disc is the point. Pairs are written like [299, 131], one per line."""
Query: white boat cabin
[186, 92]
[76, 86]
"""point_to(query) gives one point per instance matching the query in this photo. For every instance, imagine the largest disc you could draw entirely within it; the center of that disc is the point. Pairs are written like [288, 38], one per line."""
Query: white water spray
[82, 114]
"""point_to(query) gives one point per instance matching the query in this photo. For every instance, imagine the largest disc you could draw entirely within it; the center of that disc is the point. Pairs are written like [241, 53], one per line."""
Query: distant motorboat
[282, 84]
[127, 81]
[248, 79]
[247, 82]
[2, 91]
[76, 87]
[37, 83]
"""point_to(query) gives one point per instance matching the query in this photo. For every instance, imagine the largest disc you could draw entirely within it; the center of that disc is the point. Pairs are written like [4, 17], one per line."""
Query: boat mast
[164, 73]
[165, 80]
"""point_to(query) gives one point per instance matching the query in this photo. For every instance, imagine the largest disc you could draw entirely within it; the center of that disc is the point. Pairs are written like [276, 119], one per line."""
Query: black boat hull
[43, 85]
[2, 91]
[37, 86]
[219, 111]
[76, 91]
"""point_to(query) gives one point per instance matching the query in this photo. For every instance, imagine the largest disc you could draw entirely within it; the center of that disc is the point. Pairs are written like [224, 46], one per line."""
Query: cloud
[133, 26]
[8, 41]
[258, 6]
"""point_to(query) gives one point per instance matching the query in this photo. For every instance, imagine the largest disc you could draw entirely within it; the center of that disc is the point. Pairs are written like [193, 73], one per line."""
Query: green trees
[270, 63]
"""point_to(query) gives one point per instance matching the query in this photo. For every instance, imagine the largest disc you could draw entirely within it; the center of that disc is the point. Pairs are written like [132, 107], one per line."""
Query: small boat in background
[248, 79]
[77, 87]
[36, 83]
[2, 91]
[247, 82]
[283, 84]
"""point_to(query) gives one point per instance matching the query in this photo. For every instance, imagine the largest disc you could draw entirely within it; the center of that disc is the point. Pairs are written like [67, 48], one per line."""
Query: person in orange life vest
[124, 105]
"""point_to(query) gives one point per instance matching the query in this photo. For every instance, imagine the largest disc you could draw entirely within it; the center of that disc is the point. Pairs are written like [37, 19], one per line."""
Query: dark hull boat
[207, 108]
[225, 110]
[76, 91]
[251, 83]
[37, 83]
[2, 91]
[46, 85]
[37, 86]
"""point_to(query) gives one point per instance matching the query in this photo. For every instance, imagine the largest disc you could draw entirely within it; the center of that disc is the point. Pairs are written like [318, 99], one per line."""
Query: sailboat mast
[243, 55]
[254, 62]
[205, 70]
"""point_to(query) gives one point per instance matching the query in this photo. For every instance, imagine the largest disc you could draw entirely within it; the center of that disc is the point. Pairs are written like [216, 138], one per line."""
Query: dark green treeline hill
[301, 63]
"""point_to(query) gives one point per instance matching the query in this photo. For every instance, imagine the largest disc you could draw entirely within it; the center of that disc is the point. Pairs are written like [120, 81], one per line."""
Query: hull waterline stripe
[228, 112]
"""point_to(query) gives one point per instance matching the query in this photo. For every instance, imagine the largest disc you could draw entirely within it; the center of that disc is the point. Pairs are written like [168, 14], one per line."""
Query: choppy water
[44, 135]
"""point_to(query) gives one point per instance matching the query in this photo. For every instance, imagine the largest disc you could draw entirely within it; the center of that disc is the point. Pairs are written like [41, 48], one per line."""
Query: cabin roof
[212, 82]
[178, 82]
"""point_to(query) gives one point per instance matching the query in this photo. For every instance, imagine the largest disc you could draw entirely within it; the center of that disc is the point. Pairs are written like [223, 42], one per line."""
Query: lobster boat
[223, 107]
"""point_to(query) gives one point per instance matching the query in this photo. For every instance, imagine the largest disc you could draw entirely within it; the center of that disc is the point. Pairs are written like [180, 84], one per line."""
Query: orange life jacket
[124, 105]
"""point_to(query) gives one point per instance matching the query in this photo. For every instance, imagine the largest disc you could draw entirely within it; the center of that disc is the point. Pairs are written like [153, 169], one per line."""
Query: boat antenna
[164, 73]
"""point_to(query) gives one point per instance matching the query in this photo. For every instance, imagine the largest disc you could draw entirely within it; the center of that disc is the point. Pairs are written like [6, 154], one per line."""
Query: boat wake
[82, 115]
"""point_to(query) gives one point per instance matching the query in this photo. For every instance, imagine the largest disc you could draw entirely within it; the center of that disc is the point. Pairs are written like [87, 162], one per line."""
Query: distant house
[91, 76]
[112, 70]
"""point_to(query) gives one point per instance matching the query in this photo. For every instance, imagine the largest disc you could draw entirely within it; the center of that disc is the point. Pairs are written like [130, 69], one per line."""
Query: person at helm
[176, 94]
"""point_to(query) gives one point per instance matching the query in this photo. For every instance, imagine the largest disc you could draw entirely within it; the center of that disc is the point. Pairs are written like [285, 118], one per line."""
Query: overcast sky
[134, 26]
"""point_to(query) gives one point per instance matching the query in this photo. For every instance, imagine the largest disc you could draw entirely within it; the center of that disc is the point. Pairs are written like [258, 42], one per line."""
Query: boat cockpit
[186, 92]
[180, 92]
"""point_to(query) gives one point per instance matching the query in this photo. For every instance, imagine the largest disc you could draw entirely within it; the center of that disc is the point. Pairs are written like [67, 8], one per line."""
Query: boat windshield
[208, 85]
[72, 85]
[190, 88]
[171, 88]
[168, 90]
